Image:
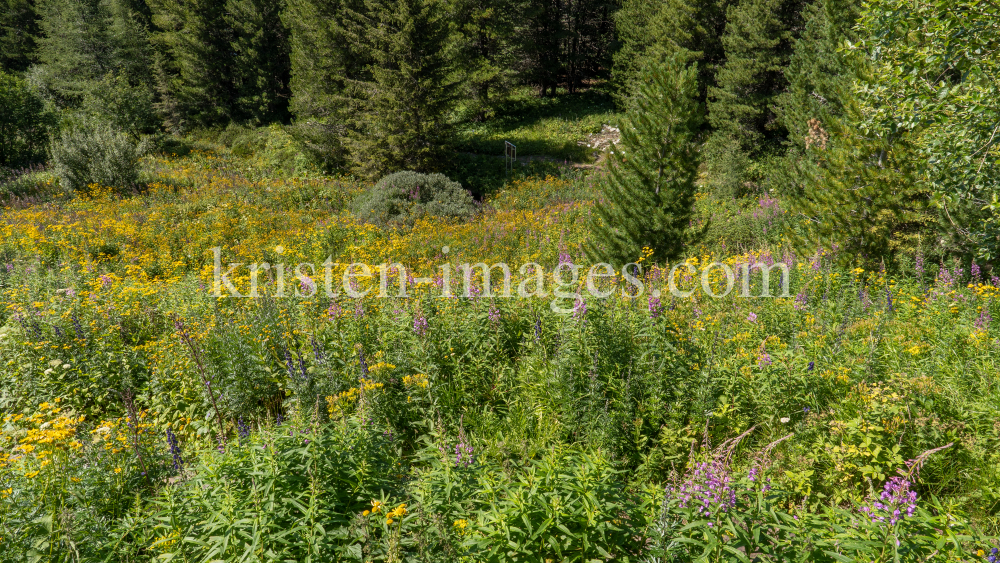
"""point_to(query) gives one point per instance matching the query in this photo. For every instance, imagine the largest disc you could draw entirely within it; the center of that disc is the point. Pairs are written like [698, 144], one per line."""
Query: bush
[128, 108]
[24, 122]
[94, 152]
[404, 197]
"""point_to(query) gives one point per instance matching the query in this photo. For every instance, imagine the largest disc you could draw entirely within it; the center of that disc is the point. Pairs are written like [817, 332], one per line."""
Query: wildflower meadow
[146, 419]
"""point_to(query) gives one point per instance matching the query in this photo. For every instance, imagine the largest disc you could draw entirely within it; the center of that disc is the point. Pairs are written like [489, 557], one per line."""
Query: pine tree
[742, 106]
[73, 47]
[261, 65]
[324, 59]
[195, 66]
[402, 111]
[84, 42]
[859, 194]
[542, 35]
[646, 198]
[654, 30]
[18, 30]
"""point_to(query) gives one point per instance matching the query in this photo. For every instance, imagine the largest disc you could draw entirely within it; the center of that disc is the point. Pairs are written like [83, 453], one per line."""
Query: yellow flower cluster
[390, 515]
[416, 380]
[336, 404]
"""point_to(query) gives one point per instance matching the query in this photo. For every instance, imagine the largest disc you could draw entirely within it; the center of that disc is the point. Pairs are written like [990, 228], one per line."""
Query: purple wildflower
[752, 317]
[655, 307]
[801, 300]
[707, 489]
[983, 322]
[420, 326]
[896, 502]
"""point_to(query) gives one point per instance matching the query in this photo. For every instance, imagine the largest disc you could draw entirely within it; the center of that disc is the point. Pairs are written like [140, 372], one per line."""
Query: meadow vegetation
[148, 420]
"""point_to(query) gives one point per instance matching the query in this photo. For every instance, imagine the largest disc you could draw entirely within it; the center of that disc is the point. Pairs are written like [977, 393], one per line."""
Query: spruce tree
[818, 75]
[647, 195]
[221, 60]
[401, 120]
[18, 30]
[73, 47]
[654, 30]
[324, 60]
[261, 66]
[742, 105]
[487, 51]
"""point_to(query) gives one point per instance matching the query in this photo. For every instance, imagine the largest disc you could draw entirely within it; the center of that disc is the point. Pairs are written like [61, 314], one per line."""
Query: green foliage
[567, 506]
[84, 40]
[18, 30]
[294, 492]
[741, 109]
[402, 120]
[93, 152]
[861, 197]
[127, 108]
[488, 52]
[404, 197]
[761, 520]
[220, 61]
[24, 122]
[547, 127]
[935, 75]
[650, 32]
[819, 74]
[648, 193]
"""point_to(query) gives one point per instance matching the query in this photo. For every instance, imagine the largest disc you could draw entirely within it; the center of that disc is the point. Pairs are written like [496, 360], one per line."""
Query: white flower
[785, 419]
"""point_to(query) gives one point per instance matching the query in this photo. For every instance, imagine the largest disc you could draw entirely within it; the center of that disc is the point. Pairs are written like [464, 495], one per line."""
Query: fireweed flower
[334, 311]
[306, 285]
[801, 300]
[655, 307]
[983, 322]
[752, 317]
[706, 489]
[494, 314]
[764, 359]
[420, 326]
[895, 503]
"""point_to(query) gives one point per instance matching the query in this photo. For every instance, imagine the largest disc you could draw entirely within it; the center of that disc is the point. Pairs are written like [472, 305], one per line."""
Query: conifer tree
[487, 50]
[859, 194]
[83, 42]
[261, 65]
[195, 66]
[18, 30]
[818, 75]
[401, 120]
[647, 195]
[324, 55]
[324, 59]
[72, 48]
[653, 30]
[741, 108]
[221, 60]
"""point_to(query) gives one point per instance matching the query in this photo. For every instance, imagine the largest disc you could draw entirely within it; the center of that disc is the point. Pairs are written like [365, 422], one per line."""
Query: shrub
[24, 122]
[128, 108]
[404, 197]
[94, 152]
